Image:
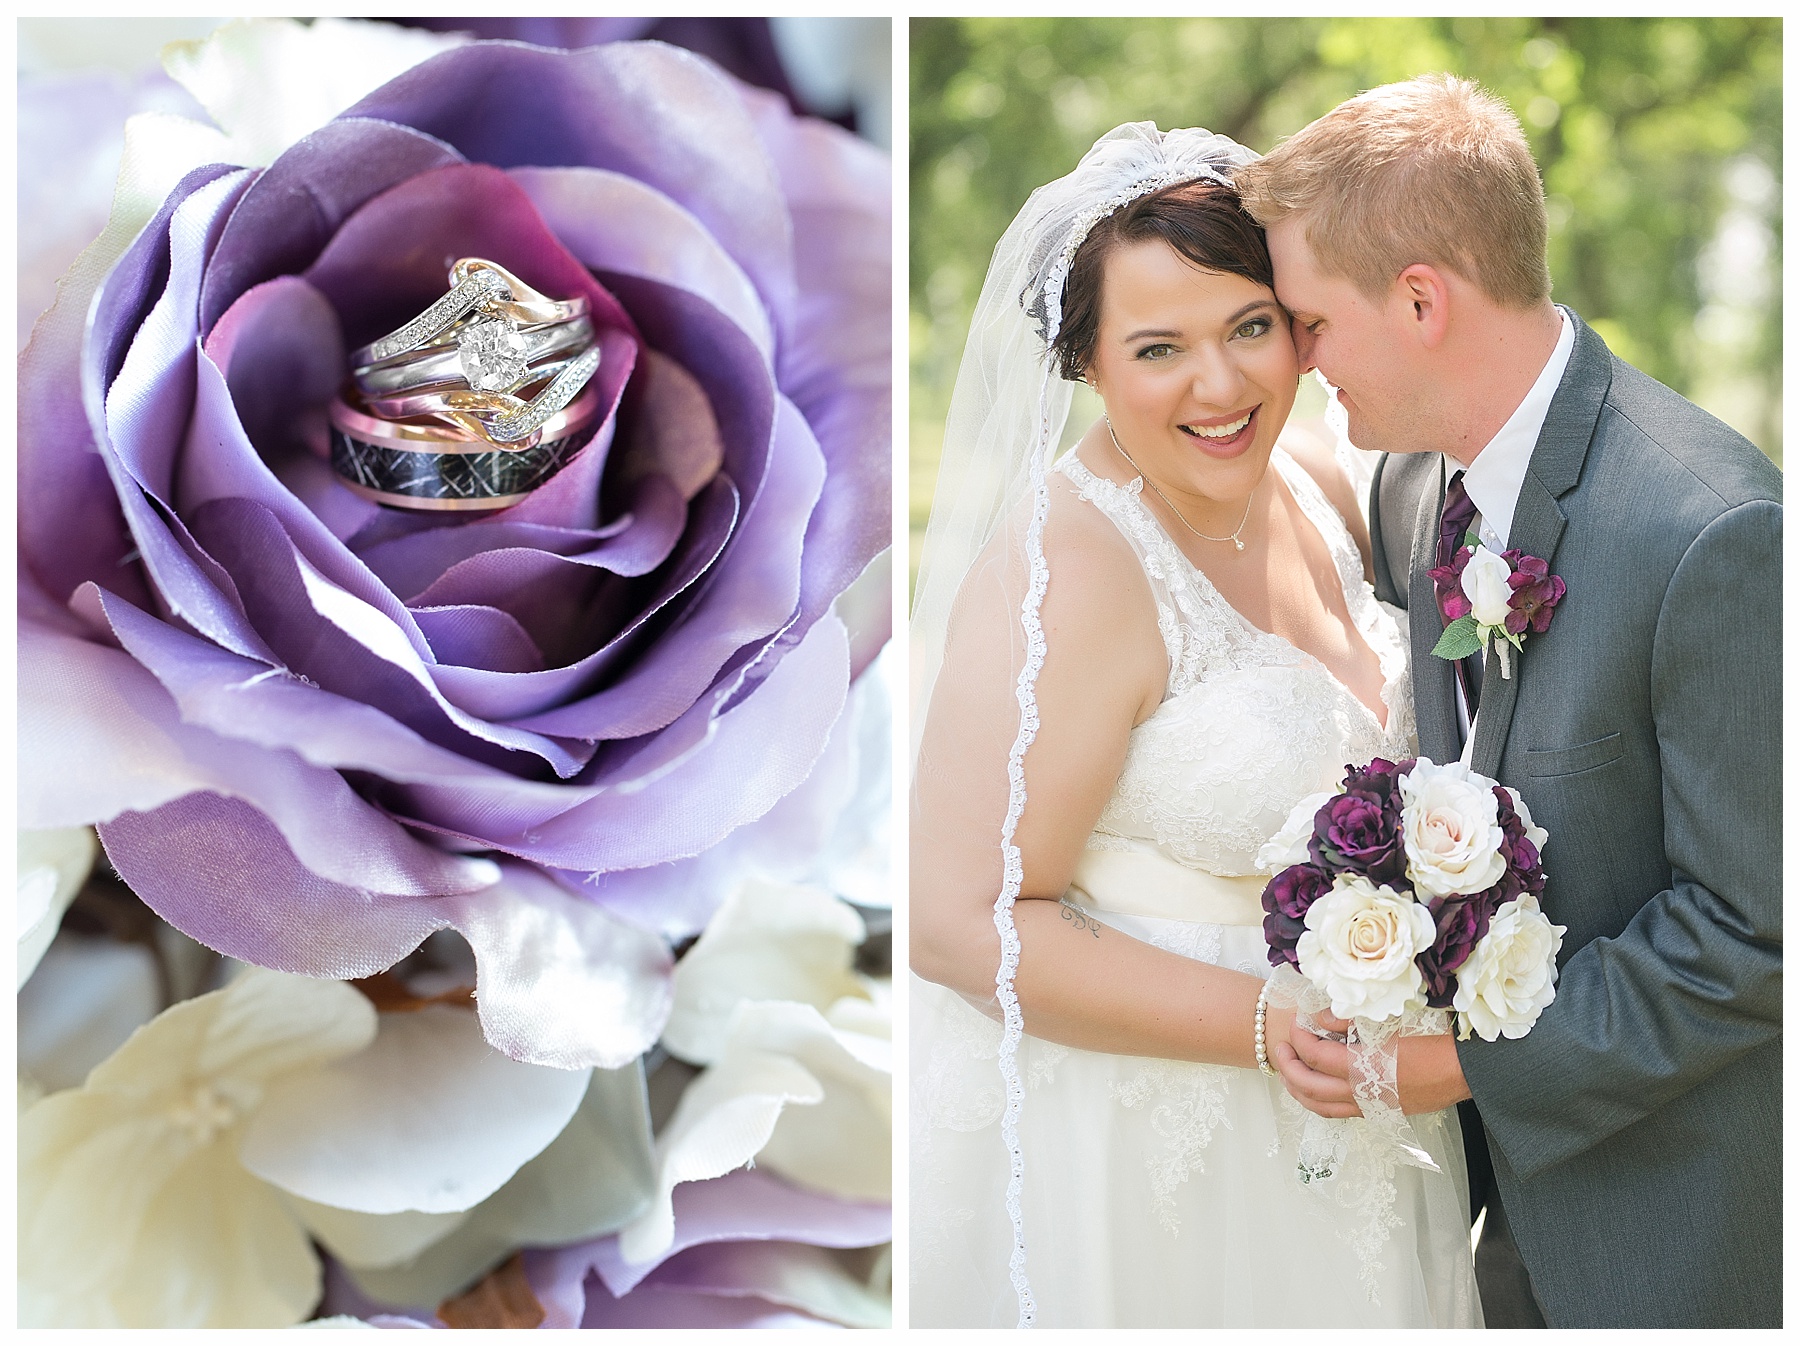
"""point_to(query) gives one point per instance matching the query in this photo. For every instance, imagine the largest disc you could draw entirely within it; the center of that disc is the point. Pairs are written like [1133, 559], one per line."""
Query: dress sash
[1143, 881]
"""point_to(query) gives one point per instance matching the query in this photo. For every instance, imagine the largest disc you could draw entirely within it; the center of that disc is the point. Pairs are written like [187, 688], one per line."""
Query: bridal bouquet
[483, 891]
[1415, 886]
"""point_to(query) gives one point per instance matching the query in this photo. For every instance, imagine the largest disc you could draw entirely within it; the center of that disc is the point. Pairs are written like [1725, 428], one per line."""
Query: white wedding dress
[1164, 1193]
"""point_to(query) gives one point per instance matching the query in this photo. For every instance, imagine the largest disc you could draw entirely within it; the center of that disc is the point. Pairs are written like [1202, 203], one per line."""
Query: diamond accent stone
[493, 354]
[478, 289]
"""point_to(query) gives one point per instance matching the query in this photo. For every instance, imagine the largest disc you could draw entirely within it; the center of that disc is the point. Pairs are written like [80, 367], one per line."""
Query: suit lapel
[1538, 522]
[1434, 679]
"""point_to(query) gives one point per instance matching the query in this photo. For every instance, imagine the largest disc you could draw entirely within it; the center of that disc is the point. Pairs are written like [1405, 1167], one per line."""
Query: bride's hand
[1316, 1071]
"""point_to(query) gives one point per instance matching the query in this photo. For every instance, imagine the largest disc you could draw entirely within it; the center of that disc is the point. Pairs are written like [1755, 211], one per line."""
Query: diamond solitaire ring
[490, 354]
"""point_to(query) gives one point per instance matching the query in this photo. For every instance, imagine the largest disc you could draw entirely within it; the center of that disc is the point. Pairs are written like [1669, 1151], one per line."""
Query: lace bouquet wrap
[1403, 902]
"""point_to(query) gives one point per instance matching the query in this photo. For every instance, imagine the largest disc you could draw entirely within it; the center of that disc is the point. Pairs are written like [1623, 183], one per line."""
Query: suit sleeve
[1693, 982]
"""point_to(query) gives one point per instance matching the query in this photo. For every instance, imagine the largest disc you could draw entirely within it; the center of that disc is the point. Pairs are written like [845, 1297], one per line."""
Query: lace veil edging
[1006, 418]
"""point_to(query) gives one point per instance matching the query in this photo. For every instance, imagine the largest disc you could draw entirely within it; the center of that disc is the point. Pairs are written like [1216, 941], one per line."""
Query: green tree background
[1659, 142]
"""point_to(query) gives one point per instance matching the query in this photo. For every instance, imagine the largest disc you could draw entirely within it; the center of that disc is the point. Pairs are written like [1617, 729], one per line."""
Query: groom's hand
[1316, 1071]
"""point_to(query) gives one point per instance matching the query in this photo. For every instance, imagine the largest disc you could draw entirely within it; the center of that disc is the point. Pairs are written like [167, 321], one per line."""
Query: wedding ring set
[472, 404]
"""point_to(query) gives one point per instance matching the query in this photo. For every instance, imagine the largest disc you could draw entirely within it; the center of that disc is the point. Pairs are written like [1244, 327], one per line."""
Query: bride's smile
[1198, 372]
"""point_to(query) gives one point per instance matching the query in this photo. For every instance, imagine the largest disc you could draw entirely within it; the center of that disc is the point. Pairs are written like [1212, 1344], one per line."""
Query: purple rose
[1286, 899]
[1462, 922]
[1535, 593]
[314, 730]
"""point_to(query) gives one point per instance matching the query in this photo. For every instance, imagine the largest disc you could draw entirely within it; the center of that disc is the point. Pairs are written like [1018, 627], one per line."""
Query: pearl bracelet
[1262, 1017]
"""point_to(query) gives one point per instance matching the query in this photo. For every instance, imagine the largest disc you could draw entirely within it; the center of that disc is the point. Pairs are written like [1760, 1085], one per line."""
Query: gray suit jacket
[1636, 1130]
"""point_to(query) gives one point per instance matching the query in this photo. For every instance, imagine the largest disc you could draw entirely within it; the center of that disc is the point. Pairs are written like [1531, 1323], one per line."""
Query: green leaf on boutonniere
[1471, 539]
[1459, 640]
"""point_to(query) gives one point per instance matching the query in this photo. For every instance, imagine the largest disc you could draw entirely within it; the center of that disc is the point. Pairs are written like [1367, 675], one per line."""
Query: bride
[1135, 662]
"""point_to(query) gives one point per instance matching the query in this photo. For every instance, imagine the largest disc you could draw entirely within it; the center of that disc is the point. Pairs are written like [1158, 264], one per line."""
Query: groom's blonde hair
[1433, 170]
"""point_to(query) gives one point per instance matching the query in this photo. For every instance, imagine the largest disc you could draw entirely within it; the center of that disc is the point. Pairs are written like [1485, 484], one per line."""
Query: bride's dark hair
[1202, 221]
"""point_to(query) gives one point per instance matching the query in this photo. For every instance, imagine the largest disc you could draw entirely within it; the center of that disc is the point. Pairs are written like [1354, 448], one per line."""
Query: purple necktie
[1459, 513]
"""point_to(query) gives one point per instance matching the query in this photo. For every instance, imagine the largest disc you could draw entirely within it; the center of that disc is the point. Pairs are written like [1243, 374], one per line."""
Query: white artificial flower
[1288, 846]
[133, 1207]
[53, 864]
[178, 1186]
[593, 1178]
[1359, 945]
[1536, 835]
[398, 1110]
[770, 941]
[1449, 820]
[1510, 976]
[1484, 585]
[805, 1094]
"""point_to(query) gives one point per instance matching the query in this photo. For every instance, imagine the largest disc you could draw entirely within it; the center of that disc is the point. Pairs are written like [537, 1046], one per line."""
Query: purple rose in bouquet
[312, 729]
[1286, 900]
[1359, 829]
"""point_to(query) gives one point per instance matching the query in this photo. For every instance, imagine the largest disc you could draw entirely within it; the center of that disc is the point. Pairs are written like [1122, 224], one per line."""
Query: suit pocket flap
[1567, 761]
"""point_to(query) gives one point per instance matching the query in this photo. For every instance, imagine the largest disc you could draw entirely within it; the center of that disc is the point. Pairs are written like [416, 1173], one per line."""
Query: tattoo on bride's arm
[1083, 921]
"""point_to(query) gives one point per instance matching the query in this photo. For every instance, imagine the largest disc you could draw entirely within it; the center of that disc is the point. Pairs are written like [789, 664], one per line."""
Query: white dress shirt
[1495, 478]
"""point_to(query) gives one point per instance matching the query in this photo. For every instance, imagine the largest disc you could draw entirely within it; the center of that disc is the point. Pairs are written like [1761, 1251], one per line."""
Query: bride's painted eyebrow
[1164, 333]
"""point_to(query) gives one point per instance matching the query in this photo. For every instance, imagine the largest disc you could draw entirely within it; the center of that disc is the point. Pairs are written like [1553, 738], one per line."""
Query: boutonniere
[1486, 597]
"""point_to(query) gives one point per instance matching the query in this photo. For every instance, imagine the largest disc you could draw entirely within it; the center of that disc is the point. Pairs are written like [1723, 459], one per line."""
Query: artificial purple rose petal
[746, 1205]
[711, 520]
[73, 530]
[842, 333]
[304, 197]
[148, 755]
[663, 810]
[656, 1307]
[218, 870]
[348, 646]
[665, 242]
[281, 350]
[476, 636]
[653, 113]
[752, 596]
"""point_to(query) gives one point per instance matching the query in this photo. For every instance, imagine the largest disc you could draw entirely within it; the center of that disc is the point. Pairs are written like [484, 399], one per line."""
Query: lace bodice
[1249, 724]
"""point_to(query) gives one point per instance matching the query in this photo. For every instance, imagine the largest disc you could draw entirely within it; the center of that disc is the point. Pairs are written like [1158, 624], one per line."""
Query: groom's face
[1357, 343]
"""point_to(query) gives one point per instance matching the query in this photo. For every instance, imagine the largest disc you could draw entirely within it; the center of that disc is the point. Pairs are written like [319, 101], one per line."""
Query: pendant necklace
[1231, 537]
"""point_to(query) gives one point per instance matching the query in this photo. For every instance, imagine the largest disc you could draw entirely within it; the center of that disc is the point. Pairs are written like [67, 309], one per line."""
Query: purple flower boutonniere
[1486, 596]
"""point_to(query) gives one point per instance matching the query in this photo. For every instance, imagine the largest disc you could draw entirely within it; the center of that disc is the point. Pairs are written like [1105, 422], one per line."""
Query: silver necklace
[1231, 537]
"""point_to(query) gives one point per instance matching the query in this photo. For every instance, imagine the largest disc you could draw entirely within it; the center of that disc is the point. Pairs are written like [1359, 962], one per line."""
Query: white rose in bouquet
[1451, 828]
[1359, 945]
[1511, 975]
[1288, 846]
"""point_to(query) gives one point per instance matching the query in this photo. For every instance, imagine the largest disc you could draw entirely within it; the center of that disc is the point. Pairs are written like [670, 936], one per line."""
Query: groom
[1634, 1134]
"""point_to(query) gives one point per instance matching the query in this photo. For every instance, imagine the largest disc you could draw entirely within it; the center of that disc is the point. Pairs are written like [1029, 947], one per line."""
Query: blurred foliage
[1659, 142]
